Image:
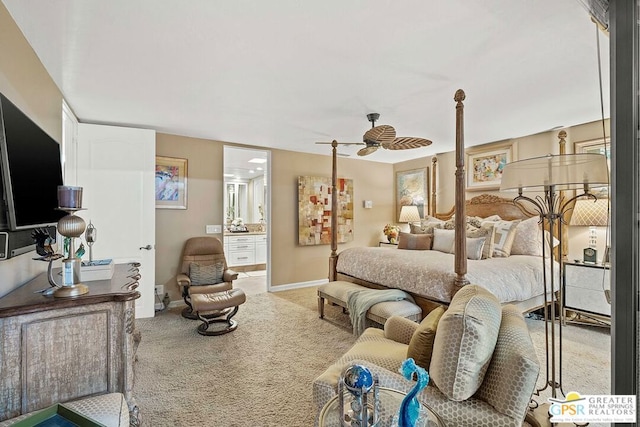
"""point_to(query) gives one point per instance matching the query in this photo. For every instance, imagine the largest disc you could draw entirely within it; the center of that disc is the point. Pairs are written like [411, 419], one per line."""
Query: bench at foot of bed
[337, 293]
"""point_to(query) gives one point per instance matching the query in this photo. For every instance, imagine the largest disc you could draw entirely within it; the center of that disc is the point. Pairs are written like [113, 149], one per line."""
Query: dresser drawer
[584, 287]
[241, 258]
[240, 239]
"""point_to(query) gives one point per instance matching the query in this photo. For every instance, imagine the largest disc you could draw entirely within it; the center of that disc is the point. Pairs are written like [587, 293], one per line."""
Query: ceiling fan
[385, 136]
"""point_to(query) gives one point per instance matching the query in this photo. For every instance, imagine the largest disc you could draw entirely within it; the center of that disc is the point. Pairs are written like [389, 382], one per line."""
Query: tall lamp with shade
[591, 213]
[549, 176]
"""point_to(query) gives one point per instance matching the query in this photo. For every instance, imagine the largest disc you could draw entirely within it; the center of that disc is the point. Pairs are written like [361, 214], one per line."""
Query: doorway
[246, 216]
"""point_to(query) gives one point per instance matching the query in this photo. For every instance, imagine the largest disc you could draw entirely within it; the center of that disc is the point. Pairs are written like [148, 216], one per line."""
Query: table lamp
[591, 213]
[409, 214]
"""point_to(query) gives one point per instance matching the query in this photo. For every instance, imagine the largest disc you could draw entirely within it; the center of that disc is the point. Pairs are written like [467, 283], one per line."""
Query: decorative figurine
[356, 406]
[410, 406]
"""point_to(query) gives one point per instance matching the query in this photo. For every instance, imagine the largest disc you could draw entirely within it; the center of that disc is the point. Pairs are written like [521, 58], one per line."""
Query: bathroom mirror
[245, 185]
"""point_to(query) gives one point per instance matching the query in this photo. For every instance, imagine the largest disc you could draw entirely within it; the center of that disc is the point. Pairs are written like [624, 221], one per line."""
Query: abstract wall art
[314, 210]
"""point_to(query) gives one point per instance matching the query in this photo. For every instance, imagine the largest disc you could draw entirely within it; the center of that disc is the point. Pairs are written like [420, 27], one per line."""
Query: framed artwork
[596, 146]
[412, 189]
[314, 210]
[171, 183]
[485, 164]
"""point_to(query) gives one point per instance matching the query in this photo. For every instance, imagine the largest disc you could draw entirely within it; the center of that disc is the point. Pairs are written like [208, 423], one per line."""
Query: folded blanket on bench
[359, 301]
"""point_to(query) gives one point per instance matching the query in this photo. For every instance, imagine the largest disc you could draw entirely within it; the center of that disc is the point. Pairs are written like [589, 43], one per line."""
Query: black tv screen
[31, 170]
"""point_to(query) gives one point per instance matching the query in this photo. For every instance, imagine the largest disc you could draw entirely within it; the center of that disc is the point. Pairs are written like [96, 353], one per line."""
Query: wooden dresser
[59, 349]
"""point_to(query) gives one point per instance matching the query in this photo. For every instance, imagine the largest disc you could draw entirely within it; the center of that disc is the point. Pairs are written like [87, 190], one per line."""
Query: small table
[390, 401]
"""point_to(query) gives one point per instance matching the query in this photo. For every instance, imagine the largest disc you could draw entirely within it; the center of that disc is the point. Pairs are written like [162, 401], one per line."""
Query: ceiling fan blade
[367, 150]
[380, 134]
[406, 143]
[342, 143]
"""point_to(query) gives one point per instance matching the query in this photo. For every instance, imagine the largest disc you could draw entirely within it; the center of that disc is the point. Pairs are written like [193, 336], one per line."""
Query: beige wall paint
[24, 80]
[290, 263]
[373, 181]
[204, 203]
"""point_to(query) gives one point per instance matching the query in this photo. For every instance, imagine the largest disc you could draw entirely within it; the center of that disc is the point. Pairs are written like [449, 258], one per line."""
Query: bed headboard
[485, 205]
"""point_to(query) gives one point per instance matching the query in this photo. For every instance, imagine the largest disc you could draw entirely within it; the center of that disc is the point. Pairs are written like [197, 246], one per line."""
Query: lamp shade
[591, 213]
[564, 171]
[409, 214]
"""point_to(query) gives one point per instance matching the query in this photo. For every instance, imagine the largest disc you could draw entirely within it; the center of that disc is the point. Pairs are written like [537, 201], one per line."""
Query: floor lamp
[551, 175]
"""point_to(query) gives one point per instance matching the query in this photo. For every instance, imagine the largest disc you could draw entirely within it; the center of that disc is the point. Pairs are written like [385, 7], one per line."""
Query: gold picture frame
[485, 163]
[171, 183]
[412, 189]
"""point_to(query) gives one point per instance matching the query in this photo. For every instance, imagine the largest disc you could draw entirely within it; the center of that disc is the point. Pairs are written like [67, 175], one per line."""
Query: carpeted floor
[261, 374]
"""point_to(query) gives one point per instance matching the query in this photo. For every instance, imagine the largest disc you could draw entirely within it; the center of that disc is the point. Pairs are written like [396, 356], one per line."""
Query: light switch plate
[367, 204]
[213, 229]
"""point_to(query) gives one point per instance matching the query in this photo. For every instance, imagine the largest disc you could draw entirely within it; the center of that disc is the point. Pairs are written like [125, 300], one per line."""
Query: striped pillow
[206, 274]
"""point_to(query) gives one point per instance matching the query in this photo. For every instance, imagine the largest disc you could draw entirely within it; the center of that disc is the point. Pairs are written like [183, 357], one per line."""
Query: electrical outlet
[160, 290]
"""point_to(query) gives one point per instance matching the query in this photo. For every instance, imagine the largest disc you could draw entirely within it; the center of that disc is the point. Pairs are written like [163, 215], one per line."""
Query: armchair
[203, 271]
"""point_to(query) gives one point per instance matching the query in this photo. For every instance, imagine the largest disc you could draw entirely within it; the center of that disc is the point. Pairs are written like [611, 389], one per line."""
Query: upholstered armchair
[203, 270]
[479, 355]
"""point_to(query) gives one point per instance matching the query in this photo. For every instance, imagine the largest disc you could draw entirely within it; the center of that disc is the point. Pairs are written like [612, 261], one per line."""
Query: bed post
[434, 186]
[333, 259]
[460, 210]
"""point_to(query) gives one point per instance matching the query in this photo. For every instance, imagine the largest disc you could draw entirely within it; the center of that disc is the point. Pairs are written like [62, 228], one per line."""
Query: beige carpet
[261, 374]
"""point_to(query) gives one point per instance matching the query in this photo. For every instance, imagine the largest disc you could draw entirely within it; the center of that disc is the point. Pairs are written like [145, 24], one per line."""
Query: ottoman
[211, 307]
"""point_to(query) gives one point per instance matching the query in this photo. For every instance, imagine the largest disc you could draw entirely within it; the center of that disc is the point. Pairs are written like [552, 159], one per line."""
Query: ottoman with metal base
[211, 307]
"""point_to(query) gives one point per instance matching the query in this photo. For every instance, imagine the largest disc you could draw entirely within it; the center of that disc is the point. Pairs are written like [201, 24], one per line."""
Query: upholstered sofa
[481, 361]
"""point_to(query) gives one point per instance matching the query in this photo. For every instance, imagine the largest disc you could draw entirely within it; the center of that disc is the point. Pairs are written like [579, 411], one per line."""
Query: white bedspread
[431, 273]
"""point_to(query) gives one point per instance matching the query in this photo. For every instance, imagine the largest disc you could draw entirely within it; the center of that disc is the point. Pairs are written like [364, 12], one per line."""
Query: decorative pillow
[514, 361]
[465, 341]
[528, 238]
[488, 232]
[443, 240]
[414, 241]
[505, 232]
[472, 221]
[424, 227]
[421, 344]
[206, 274]
[475, 246]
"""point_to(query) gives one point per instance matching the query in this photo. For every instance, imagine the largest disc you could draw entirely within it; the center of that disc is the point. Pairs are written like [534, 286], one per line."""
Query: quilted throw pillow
[464, 343]
[414, 241]
[206, 274]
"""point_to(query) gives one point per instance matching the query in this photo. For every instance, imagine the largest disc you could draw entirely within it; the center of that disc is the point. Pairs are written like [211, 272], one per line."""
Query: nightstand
[388, 245]
[584, 286]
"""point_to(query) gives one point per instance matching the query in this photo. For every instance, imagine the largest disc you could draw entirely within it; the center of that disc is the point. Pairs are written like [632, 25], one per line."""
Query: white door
[116, 170]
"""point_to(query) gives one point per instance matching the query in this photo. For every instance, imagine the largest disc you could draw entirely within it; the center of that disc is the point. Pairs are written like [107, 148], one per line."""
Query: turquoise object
[80, 251]
[410, 406]
[358, 378]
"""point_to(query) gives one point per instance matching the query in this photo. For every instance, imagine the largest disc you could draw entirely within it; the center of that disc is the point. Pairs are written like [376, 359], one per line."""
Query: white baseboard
[298, 285]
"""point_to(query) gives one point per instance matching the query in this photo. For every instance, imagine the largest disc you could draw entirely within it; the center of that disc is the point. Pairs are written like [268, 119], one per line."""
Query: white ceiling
[287, 73]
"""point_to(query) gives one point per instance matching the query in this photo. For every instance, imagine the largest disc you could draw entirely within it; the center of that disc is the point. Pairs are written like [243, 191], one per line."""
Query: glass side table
[390, 401]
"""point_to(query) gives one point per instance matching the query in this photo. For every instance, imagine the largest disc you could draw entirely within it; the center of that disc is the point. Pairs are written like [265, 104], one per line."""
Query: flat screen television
[31, 171]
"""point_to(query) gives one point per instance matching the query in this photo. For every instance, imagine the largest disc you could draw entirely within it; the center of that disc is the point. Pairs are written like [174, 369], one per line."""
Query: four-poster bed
[427, 274]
